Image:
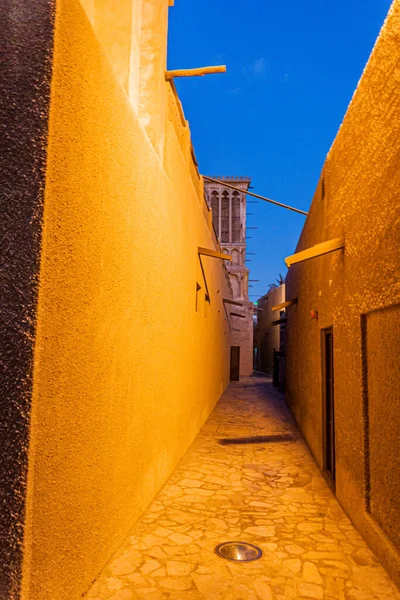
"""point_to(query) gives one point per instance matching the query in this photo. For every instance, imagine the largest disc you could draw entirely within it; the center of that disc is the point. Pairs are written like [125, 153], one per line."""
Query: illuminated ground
[265, 491]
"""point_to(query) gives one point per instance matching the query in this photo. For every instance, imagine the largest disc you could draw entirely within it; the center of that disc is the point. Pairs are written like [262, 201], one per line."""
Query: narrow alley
[187, 201]
[248, 476]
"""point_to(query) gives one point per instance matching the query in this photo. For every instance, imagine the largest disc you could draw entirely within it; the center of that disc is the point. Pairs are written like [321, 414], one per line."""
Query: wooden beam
[199, 72]
[284, 304]
[279, 322]
[234, 187]
[237, 315]
[314, 251]
[233, 302]
[227, 316]
[214, 254]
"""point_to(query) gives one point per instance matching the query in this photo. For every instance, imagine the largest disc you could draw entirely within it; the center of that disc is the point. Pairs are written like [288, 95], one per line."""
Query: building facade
[343, 328]
[112, 358]
[229, 220]
[269, 331]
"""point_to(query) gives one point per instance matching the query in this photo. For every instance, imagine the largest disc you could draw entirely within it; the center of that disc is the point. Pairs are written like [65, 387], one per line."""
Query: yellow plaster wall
[153, 62]
[268, 336]
[126, 370]
[112, 22]
[361, 178]
[242, 335]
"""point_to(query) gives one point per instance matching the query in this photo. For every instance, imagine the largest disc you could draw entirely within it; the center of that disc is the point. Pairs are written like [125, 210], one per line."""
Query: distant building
[229, 220]
[269, 330]
[343, 327]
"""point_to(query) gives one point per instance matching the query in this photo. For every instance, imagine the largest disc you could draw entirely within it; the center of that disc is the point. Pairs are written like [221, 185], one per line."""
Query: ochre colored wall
[242, 335]
[267, 336]
[382, 351]
[126, 370]
[361, 178]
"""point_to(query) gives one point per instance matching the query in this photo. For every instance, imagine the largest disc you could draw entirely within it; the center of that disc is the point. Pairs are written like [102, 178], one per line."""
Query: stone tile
[126, 563]
[175, 567]
[156, 552]
[180, 538]
[137, 580]
[294, 549]
[309, 527]
[122, 595]
[149, 593]
[294, 564]
[149, 566]
[311, 590]
[311, 573]
[215, 524]
[261, 531]
[263, 589]
[212, 586]
[162, 572]
[176, 583]
[163, 532]
[148, 541]
[269, 494]
[191, 483]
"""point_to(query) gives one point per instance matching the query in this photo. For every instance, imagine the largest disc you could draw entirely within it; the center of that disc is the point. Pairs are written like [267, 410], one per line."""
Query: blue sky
[292, 68]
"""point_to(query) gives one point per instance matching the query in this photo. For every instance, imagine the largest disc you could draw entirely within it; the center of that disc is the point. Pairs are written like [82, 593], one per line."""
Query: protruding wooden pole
[195, 72]
[284, 304]
[214, 254]
[316, 250]
[234, 187]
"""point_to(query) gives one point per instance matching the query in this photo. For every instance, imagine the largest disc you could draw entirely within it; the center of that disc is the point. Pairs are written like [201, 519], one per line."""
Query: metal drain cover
[238, 551]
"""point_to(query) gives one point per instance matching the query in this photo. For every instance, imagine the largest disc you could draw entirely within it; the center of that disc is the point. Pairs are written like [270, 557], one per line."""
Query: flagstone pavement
[268, 492]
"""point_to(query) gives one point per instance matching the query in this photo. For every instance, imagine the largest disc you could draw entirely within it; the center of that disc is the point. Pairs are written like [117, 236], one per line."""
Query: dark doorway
[328, 404]
[278, 359]
[235, 363]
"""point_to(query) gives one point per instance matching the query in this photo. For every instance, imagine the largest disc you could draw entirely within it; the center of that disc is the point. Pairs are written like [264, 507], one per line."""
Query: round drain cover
[238, 551]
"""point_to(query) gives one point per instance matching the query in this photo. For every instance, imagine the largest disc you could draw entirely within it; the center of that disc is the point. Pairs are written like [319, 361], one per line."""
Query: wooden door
[235, 363]
[329, 405]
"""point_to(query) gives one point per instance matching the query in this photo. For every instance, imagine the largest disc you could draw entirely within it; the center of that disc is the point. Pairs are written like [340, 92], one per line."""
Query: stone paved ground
[269, 493]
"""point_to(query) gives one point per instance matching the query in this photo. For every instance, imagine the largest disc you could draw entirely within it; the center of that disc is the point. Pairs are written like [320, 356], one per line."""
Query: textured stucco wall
[361, 178]
[267, 336]
[126, 370]
[381, 355]
[244, 338]
[25, 47]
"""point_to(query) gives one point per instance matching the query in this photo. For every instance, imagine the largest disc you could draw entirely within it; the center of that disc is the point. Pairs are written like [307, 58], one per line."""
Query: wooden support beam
[195, 72]
[233, 187]
[314, 251]
[233, 302]
[284, 304]
[237, 315]
[227, 316]
[278, 322]
[214, 254]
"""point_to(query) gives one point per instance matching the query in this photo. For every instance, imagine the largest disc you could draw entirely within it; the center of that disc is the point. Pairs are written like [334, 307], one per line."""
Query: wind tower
[229, 220]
